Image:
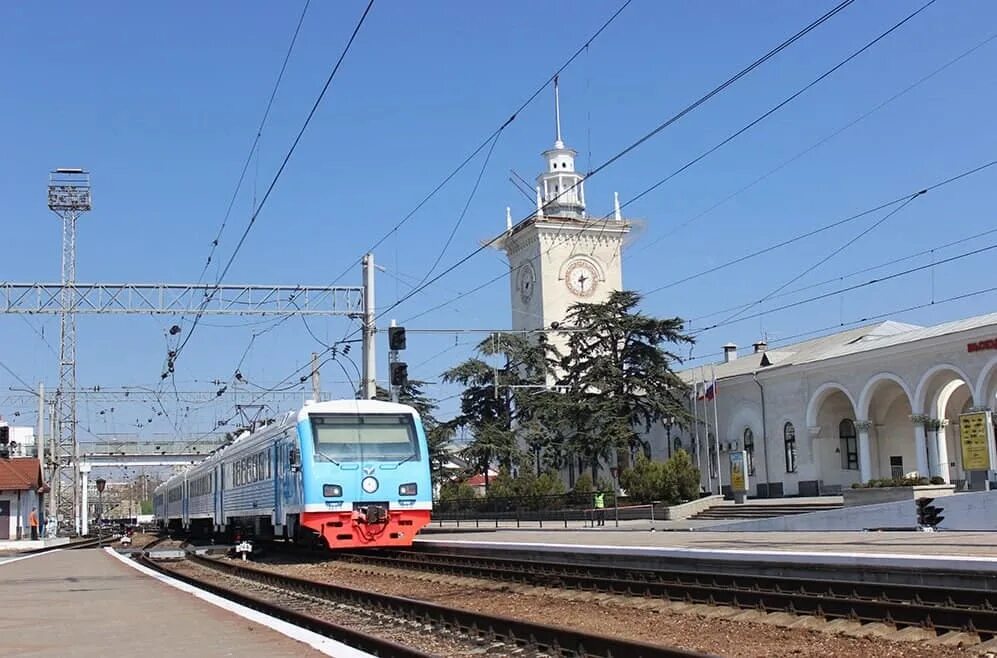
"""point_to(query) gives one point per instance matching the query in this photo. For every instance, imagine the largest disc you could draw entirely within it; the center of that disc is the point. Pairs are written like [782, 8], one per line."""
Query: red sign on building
[979, 346]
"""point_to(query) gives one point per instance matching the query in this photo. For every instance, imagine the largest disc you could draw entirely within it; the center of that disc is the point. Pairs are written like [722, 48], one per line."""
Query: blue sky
[161, 103]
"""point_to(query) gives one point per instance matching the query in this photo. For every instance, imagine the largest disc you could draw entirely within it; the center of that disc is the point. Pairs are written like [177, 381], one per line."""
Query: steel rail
[556, 640]
[349, 636]
[937, 608]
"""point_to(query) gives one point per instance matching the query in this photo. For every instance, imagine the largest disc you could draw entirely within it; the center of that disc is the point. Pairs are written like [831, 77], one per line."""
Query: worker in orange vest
[33, 522]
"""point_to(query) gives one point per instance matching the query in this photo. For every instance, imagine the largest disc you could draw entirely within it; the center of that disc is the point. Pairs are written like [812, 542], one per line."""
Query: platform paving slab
[84, 603]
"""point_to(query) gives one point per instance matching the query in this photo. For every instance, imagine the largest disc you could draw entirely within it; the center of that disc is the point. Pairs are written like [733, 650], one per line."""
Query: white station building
[815, 417]
[879, 401]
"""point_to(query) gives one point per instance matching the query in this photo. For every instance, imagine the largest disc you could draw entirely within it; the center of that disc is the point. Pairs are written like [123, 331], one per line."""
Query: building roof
[852, 341]
[912, 334]
[20, 474]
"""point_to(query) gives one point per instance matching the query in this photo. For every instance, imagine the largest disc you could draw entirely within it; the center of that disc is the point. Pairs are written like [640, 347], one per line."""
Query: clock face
[581, 278]
[526, 282]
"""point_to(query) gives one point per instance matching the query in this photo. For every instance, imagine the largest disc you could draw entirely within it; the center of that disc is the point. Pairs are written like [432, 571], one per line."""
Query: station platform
[939, 551]
[89, 603]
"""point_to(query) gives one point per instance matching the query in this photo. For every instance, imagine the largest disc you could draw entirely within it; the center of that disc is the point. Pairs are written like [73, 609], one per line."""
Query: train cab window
[374, 437]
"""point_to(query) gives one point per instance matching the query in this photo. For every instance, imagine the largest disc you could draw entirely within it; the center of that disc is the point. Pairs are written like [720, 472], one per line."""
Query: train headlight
[332, 491]
[369, 484]
[409, 489]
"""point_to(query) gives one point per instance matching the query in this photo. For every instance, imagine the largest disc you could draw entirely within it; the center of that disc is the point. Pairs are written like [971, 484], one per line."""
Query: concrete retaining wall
[685, 510]
[876, 495]
[963, 511]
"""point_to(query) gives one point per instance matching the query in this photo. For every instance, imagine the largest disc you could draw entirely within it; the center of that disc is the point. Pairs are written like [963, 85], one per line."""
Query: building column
[943, 450]
[85, 502]
[920, 443]
[865, 454]
[932, 426]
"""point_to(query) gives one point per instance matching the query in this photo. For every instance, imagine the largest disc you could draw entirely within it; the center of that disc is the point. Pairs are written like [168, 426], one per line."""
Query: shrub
[681, 478]
[938, 479]
[645, 482]
[671, 482]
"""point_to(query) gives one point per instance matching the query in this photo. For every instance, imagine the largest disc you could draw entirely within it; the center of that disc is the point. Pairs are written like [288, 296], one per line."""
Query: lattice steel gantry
[68, 197]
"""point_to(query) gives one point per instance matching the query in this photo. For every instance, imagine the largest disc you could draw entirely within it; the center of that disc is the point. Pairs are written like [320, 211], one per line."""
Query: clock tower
[560, 256]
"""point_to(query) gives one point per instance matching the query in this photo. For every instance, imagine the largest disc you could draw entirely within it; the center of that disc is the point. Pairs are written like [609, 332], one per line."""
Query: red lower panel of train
[373, 527]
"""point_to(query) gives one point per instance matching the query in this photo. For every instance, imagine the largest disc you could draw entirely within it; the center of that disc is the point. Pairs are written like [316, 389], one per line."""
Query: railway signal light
[399, 373]
[928, 516]
[396, 338]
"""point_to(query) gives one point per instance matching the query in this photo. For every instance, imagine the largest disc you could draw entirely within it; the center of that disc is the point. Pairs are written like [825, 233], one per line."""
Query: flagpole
[706, 421]
[716, 423]
[695, 427]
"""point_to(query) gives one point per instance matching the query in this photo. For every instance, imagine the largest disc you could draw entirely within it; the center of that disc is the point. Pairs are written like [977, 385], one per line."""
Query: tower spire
[557, 117]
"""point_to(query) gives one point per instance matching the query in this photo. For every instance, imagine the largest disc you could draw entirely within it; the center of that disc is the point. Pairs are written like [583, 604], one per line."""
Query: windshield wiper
[326, 457]
[410, 457]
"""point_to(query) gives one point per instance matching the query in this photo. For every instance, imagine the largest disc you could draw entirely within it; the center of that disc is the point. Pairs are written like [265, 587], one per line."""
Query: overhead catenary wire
[842, 277]
[641, 140]
[837, 250]
[273, 183]
[614, 158]
[821, 229]
[864, 320]
[485, 142]
[850, 288]
[256, 141]
[772, 110]
[818, 144]
[727, 140]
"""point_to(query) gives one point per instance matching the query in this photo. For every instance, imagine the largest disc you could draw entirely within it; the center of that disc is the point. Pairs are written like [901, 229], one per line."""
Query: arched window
[849, 445]
[749, 448]
[789, 441]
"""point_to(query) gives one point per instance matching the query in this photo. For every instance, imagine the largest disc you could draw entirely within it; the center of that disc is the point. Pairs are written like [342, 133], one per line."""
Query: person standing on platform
[599, 502]
[33, 522]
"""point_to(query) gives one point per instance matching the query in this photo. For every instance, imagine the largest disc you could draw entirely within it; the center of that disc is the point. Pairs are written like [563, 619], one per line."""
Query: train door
[219, 517]
[278, 493]
[184, 504]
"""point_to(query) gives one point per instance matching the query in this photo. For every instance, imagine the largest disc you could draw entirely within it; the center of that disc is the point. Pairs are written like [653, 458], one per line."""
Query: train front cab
[366, 476]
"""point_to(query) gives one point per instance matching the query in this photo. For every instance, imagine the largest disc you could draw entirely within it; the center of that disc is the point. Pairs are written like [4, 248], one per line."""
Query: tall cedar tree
[615, 367]
[491, 405]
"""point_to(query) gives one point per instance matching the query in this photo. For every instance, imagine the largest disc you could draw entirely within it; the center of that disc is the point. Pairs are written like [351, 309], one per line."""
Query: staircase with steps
[728, 510]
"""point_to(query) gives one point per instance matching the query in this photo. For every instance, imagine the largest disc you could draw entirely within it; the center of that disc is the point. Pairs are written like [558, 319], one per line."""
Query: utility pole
[40, 439]
[368, 389]
[53, 479]
[68, 197]
[316, 384]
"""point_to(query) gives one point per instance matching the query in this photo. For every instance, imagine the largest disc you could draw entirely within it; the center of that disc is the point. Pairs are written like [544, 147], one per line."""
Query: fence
[554, 510]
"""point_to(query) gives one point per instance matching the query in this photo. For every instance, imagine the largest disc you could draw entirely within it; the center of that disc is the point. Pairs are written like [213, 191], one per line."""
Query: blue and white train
[351, 473]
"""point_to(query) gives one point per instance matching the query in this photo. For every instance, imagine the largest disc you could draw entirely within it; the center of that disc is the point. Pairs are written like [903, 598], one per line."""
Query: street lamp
[100, 507]
[669, 421]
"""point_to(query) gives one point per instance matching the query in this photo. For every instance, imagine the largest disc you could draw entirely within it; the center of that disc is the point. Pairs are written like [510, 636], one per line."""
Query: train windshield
[374, 437]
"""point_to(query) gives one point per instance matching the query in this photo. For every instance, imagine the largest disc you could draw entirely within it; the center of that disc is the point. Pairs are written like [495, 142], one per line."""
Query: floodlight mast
[68, 197]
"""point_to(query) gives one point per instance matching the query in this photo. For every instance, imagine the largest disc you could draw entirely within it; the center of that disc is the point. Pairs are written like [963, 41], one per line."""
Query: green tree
[492, 404]
[616, 368]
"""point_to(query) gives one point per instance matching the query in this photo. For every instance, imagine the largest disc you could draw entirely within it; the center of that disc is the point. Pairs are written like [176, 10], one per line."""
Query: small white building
[878, 401]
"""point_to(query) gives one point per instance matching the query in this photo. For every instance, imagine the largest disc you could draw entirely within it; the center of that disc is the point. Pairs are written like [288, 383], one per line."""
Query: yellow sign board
[738, 471]
[975, 447]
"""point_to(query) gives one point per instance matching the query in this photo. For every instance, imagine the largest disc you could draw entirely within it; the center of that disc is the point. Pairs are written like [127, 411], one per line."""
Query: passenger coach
[348, 473]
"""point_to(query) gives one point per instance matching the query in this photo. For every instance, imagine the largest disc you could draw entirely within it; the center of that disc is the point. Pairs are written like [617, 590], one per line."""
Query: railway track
[934, 608]
[84, 542]
[519, 637]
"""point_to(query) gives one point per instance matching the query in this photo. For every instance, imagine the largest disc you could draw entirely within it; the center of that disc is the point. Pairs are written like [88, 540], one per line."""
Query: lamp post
[100, 508]
[669, 421]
